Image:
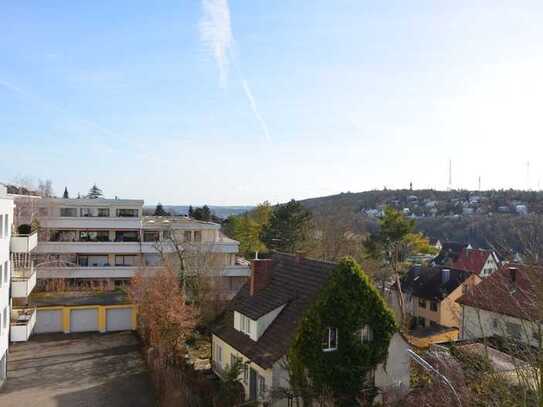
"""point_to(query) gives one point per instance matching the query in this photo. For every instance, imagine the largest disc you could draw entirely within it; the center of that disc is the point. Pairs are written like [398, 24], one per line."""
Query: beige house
[430, 295]
[261, 322]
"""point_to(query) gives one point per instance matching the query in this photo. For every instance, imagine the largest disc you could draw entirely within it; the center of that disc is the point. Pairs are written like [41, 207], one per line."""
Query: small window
[245, 324]
[245, 373]
[2, 226]
[43, 212]
[513, 330]
[433, 306]
[329, 340]
[85, 212]
[6, 225]
[5, 317]
[366, 334]
[187, 236]
[151, 236]
[68, 212]
[422, 303]
[197, 236]
[166, 235]
[1, 272]
[129, 260]
[261, 386]
[103, 212]
[127, 213]
[218, 353]
[6, 272]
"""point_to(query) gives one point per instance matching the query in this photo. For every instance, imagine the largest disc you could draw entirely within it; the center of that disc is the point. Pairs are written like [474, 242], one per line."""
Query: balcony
[24, 243]
[22, 324]
[23, 280]
[93, 272]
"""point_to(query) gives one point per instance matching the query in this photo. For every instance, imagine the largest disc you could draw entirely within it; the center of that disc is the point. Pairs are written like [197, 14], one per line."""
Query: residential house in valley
[508, 304]
[263, 319]
[430, 295]
[464, 257]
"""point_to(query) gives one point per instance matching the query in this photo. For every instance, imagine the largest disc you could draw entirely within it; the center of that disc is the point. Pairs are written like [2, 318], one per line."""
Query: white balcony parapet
[23, 281]
[92, 272]
[24, 243]
[23, 321]
[236, 271]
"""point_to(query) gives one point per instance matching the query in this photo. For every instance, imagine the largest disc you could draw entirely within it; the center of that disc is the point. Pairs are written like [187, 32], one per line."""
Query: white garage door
[48, 321]
[84, 320]
[119, 319]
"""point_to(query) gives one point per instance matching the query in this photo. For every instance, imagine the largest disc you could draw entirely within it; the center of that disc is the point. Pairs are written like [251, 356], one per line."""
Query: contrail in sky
[216, 34]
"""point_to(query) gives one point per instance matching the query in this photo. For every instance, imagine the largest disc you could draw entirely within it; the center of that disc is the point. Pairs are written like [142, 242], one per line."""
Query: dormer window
[330, 340]
[366, 334]
[245, 324]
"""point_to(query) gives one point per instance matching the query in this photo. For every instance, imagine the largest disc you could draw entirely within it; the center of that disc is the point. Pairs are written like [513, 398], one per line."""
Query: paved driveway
[77, 370]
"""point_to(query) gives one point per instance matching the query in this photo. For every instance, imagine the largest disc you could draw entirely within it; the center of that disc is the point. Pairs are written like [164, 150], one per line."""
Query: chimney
[261, 273]
[445, 275]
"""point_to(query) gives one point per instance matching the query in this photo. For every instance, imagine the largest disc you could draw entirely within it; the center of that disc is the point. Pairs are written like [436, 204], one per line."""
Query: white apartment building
[17, 280]
[84, 240]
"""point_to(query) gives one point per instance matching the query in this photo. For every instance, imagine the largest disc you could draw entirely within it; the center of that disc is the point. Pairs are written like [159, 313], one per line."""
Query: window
[261, 385]
[197, 236]
[127, 236]
[366, 334]
[6, 225]
[62, 236]
[68, 212]
[166, 235]
[495, 323]
[103, 212]
[6, 271]
[94, 236]
[187, 236]
[152, 259]
[422, 303]
[151, 236]
[1, 272]
[421, 322]
[218, 353]
[2, 226]
[127, 213]
[43, 212]
[93, 261]
[245, 324]
[85, 212]
[433, 306]
[245, 373]
[329, 340]
[129, 260]
[5, 317]
[513, 330]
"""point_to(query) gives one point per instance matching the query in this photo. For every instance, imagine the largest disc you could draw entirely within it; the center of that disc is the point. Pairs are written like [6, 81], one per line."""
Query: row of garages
[86, 318]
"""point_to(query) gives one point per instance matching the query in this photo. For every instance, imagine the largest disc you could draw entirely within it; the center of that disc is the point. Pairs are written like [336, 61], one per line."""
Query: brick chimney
[261, 273]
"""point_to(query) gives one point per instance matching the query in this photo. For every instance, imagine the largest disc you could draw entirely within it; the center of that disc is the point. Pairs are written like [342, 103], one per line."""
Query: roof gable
[429, 283]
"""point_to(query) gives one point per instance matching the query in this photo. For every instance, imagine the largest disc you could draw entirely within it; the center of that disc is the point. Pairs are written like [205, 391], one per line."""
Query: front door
[252, 384]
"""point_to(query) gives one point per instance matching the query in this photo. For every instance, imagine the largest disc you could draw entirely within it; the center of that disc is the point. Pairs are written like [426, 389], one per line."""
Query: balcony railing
[24, 243]
[23, 281]
[23, 321]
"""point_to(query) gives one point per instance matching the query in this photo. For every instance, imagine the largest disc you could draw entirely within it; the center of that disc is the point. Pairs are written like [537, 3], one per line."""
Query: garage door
[119, 319]
[48, 321]
[84, 320]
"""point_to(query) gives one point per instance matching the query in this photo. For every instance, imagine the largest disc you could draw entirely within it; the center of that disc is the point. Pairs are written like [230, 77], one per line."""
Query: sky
[236, 102]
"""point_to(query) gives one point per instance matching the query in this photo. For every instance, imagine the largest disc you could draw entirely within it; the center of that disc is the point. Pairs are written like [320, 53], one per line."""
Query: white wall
[6, 208]
[478, 323]
[395, 374]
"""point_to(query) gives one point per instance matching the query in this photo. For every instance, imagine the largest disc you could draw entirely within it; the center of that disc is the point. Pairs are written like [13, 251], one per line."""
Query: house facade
[508, 304]
[97, 240]
[261, 322]
[430, 295]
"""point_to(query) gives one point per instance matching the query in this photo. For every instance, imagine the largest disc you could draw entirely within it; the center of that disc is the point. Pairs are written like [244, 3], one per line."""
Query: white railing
[24, 243]
[23, 321]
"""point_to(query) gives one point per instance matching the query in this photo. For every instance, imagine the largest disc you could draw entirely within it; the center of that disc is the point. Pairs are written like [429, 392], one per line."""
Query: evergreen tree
[95, 192]
[65, 195]
[159, 211]
[191, 212]
[289, 228]
[203, 213]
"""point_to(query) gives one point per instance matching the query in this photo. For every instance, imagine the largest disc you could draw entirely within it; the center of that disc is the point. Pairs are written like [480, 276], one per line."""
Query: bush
[24, 229]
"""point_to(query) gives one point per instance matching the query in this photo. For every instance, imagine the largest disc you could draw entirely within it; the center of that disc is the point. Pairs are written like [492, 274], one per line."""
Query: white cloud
[257, 114]
[216, 34]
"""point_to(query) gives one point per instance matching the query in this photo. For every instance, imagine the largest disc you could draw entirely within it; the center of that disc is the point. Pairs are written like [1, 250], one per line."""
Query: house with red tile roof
[478, 261]
[507, 304]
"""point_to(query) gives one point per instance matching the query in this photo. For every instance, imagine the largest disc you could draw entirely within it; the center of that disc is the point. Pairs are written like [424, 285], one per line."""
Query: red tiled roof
[472, 260]
[522, 298]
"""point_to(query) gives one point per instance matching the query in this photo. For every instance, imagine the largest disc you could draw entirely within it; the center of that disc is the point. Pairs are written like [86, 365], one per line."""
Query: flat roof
[91, 202]
[50, 299]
